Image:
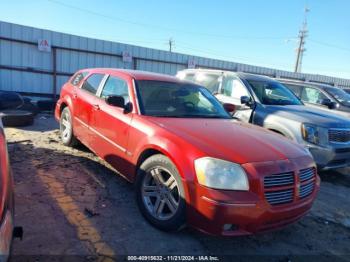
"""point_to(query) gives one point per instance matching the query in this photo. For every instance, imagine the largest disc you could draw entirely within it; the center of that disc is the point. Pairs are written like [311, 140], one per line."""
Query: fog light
[230, 227]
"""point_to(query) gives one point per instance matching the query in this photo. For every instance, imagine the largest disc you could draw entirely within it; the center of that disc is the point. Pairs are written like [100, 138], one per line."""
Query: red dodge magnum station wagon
[191, 162]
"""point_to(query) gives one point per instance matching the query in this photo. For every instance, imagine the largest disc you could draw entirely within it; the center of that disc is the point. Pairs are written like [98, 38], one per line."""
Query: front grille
[306, 190]
[279, 197]
[306, 174]
[280, 188]
[339, 135]
[342, 150]
[279, 180]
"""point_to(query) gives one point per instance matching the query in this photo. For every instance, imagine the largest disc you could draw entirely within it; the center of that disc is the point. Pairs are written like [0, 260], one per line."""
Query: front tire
[160, 193]
[66, 128]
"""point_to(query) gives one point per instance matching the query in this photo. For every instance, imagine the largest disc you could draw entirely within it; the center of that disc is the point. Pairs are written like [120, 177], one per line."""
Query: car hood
[305, 114]
[232, 140]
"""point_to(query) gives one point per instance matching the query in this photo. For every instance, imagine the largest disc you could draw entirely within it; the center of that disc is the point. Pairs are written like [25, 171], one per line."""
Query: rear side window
[209, 81]
[92, 83]
[296, 89]
[78, 77]
[189, 77]
[115, 87]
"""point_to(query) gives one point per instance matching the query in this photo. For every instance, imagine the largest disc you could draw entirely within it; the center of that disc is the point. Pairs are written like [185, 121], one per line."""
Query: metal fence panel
[24, 68]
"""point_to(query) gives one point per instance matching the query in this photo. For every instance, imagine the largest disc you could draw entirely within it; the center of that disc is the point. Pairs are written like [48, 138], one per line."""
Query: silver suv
[265, 102]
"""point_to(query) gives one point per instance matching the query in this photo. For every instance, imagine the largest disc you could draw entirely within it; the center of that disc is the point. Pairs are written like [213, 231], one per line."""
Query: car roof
[242, 75]
[319, 85]
[135, 74]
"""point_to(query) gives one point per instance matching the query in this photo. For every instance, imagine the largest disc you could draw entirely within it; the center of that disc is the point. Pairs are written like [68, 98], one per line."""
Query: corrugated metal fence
[23, 68]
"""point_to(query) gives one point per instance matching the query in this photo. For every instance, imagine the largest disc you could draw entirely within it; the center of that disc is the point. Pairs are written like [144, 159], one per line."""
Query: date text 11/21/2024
[173, 258]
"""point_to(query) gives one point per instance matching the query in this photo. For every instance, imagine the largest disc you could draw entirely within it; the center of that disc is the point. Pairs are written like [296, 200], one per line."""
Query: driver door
[111, 124]
[231, 91]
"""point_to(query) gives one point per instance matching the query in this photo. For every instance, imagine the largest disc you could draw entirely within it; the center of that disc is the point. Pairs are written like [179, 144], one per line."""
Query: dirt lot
[70, 203]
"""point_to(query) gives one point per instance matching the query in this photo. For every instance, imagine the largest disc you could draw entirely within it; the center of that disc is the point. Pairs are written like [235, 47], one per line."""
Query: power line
[162, 28]
[237, 59]
[330, 45]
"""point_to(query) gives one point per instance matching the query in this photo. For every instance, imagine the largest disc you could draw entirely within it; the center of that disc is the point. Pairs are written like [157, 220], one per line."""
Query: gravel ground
[69, 203]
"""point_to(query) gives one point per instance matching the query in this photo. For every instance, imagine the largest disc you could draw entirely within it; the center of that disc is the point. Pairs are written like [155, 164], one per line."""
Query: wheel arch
[66, 102]
[179, 162]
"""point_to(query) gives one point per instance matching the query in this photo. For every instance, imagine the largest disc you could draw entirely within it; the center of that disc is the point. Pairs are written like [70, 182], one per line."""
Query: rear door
[111, 124]
[231, 91]
[85, 103]
[296, 89]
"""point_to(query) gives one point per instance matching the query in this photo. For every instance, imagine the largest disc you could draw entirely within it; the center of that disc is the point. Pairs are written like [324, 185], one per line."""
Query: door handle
[96, 107]
[75, 95]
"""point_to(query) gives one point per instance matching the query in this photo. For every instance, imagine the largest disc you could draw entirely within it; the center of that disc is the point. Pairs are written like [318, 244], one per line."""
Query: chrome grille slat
[279, 178]
[278, 193]
[284, 179]
[306, 187]
[277, 196]
[306, 190]
[306, 174]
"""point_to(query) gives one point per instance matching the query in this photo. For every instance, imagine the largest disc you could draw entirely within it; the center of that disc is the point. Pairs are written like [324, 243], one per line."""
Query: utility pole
[301, 49]
[171, 43]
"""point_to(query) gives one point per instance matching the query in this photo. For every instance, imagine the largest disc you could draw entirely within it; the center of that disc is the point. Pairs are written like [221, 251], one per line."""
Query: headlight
[310, 133]
[315, 134]
[220, 174]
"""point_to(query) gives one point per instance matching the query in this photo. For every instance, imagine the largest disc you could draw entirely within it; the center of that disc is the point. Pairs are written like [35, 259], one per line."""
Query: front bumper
[331, 157]
[6, 233]
[235, 213]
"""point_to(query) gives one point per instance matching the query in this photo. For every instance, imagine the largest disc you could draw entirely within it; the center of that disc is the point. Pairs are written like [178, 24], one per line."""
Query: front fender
[66, 100]
[179, 153]
[286, 127]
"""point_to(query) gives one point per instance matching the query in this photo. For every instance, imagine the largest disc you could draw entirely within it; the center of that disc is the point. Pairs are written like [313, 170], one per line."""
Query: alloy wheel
[66, 127]
[160, 193]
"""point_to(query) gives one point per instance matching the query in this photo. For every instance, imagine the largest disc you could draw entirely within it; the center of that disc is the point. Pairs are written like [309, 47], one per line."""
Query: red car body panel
[6, 198]
[122, 139]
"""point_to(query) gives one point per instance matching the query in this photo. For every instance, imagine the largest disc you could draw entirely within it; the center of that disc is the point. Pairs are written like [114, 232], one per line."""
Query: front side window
[273, 93]
[92, 83]
[312, 95]
[115, 87]
[232, 87]
[168, 99]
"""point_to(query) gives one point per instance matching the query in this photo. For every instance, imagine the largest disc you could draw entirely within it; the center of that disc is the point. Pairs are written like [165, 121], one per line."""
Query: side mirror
[333, 105]
[10, 100]
[329, 103]
[230, 108]
[117, 101]
[246, 100]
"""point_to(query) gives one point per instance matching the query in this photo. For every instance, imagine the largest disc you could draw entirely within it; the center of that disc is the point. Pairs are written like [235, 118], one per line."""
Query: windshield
[167, 99]
[340, 95]
[273, 93]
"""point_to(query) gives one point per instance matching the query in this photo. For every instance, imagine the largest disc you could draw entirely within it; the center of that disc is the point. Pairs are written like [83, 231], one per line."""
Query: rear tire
[66, 128]
[160, 194]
